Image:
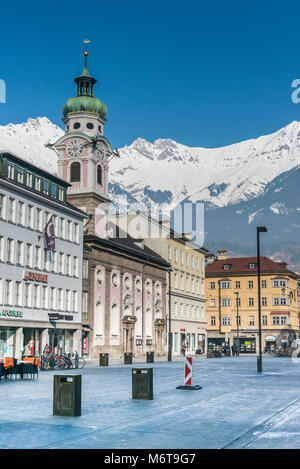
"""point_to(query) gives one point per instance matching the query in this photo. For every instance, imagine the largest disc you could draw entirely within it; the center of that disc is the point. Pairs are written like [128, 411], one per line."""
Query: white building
[40, 290]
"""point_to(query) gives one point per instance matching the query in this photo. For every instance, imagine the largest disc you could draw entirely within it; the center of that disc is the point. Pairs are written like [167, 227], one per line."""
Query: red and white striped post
[188, 373]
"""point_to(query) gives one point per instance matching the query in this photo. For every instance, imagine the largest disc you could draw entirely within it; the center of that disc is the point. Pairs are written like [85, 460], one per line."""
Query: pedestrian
[233, 350]
[183, 349]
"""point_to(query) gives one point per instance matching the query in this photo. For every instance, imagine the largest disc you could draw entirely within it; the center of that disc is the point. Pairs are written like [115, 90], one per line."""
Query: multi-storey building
[232, 303]
[124, 281]
[187, 289]
[40, 290]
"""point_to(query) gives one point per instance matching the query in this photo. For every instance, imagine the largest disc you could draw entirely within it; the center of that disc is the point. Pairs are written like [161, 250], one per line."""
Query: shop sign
[11, 313]
[36, 277]
[250, 329]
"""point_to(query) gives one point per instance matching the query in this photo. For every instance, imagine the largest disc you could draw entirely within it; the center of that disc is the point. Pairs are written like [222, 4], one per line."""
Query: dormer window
[226, 266]
[20, 175]
[251, 266]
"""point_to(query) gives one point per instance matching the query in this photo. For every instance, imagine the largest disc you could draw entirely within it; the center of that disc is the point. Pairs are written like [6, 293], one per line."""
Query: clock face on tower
[100, 150]
[75, 148]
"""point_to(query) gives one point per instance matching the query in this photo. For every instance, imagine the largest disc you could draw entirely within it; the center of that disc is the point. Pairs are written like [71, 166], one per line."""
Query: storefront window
[6, 343]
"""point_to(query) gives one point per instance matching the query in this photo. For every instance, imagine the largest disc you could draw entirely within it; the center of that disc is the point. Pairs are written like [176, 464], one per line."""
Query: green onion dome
[84, 104]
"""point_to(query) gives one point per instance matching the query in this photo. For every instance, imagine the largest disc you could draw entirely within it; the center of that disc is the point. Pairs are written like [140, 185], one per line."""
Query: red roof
[241, 265]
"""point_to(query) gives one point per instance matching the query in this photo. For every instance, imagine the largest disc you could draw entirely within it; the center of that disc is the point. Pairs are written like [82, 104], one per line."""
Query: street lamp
[237, 323]
[170, 327]
[259, 229]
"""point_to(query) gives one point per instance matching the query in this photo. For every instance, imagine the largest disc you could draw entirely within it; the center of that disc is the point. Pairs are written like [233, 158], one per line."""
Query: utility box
[67, 395]
[128, 358]
[103, 359]
[142, 383]
[150, 357]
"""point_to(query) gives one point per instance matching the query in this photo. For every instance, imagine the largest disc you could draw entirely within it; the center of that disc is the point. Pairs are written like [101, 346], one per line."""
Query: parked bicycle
[52, 361]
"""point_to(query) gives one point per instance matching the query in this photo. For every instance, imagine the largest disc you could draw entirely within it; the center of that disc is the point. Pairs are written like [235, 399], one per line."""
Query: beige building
[232, 303]
[187, 259]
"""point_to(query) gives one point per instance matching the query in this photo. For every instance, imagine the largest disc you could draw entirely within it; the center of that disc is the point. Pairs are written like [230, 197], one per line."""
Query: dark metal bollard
[150, 357]
[103, 359]
[67, 395]
[142, 383]
[128, 358]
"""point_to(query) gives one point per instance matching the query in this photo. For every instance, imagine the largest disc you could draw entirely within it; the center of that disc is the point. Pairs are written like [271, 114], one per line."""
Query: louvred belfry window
[75, 172]
[99, 175]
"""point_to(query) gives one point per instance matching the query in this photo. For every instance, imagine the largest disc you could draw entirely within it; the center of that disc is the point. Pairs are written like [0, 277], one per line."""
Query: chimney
[188, 236]
[222, 255]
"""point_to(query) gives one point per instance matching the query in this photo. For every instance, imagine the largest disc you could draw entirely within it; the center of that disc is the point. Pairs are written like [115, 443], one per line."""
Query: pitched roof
[240, 265]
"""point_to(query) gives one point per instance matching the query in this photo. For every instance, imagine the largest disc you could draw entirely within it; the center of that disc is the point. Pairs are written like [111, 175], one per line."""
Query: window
[264, 301]
[280, 283]
[45, 186]
[18, 293]
[30, 222]
[61, 194]
[280, 320]
[68, 300]
[62, 228]
[238, 320]
[76, 231]
[37, 183]
[264, 284]
[213, 320]
[70, 231]
[251, 266]
[175, 255]
[250, 284]
[60, 299]
[20, 175]
[2, 206]
[75, 266]
[29, 179]
[192, 261]
[75, 172]
[251, 320]
[212, 302]
[237, 284]
[197, 264]
[39, 219]
[10, 171]
[225, 284]
[38, 258]
[85, 269]
[169, 252]
[52, 298]
[237, 301]
[181, 257]
[21, 214]
[45, 297]
[53, 190]
[68, 264]
[20, 252]
[27, 294]
[2, 248]
[89, 125]
[226, 321]
[76, 125]
[61, 263]
[251, 302]
[36, 296]
[212, 285]
[284, 301]
[11, 210]
[84, 302]
[74, 302]
[10, 251]
[226, 266]
[265, 320]
[99, 174]
[8, 292]
[29, 253]
[187, 260]
[225, 301]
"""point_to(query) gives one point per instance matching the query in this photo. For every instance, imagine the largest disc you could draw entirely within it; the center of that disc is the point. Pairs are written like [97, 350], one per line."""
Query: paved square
[237, 408]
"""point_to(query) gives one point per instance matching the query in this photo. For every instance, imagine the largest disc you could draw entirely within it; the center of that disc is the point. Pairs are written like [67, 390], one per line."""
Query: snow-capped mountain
[243, 184]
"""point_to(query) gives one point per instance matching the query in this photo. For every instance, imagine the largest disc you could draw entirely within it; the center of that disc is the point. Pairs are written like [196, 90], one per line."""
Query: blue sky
[202, 73]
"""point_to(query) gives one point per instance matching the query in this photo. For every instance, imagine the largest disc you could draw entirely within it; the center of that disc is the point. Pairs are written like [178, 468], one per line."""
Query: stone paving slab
[237, 407]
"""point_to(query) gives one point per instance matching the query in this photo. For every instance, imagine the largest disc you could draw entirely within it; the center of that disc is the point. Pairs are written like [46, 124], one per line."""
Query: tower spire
[86, 41]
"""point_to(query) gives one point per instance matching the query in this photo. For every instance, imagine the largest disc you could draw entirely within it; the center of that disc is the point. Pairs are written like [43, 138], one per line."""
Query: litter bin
[67, 395]
[128, 358]
[142, 383]
[103, 359]
[150, 357]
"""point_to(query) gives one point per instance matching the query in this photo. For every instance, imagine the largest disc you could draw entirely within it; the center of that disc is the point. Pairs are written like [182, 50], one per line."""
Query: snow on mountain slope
[166, 171]
[27, 140]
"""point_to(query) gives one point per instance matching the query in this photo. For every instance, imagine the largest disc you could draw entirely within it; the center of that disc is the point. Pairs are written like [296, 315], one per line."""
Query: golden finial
[86, 41]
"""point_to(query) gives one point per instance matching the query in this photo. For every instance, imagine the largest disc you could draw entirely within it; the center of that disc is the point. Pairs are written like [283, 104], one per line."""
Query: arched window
[99, 175]
[75, 172]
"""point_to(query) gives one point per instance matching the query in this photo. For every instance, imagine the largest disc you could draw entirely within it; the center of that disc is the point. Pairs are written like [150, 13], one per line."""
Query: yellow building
[232, 303]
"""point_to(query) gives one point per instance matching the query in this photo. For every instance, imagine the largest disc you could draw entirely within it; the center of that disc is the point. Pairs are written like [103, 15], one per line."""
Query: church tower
[83, 151]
